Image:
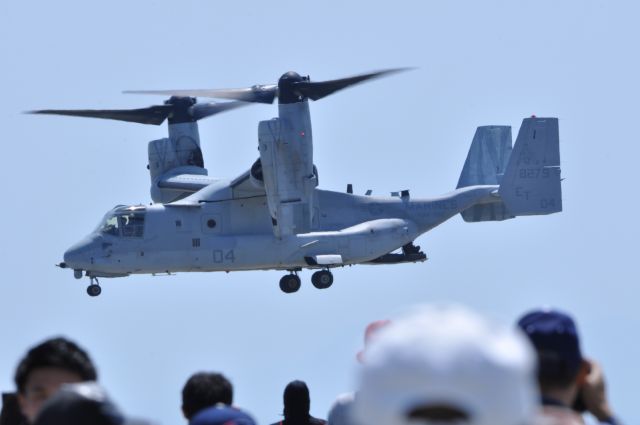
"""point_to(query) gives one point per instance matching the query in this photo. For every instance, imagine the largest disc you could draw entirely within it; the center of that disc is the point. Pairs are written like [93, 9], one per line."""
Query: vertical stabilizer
[485, 165]
[488, 156]
[531, 183]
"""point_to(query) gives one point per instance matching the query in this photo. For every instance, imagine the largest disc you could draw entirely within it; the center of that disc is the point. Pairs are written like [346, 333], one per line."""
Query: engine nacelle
[180, 153]
[288, 176]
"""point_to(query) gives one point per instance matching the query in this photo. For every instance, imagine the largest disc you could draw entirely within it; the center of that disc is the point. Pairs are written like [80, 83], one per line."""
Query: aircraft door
[344, 247]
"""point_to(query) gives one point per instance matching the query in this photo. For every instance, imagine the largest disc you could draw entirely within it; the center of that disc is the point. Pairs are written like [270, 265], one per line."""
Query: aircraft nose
[78, 255]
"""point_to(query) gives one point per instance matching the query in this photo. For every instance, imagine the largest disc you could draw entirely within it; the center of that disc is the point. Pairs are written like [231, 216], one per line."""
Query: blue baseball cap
[80, 404]
[221, 415]
[554, 335]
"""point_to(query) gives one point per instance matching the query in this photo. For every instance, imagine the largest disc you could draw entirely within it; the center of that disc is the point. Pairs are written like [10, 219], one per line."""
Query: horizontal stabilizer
[486, 212]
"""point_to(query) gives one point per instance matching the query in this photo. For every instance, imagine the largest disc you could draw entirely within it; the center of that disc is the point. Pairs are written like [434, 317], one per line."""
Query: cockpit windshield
[123, 221]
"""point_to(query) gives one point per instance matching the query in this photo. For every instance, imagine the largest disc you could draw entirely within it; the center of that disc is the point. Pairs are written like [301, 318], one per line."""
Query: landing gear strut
[322, 279]
[290, 283]
[94, 289]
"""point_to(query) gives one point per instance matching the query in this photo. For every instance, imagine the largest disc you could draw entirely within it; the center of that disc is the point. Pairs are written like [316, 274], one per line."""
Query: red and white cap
[370, 331]
[447, 365]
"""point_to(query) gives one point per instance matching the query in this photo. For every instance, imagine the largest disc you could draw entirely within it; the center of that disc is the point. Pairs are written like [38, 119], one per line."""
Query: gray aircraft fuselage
[237, 234]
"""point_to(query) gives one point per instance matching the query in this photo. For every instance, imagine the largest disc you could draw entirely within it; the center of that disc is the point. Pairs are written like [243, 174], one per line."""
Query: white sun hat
[447, 365]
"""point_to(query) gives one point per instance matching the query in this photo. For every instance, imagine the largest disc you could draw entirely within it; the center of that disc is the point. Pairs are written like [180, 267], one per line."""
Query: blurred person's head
[85, 403]
[561, 366]
[45, 368]
[447, 365]
[204, 390]
[296, 400]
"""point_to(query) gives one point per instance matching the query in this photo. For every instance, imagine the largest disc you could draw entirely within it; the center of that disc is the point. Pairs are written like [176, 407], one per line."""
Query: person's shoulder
[316, 421]
[341, 411]
[554, 415]
[221, 414]
[344, 400]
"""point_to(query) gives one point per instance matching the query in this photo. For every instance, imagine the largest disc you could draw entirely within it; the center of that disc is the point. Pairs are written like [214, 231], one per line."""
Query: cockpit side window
[110, 226]
[132, 224]
[128, 224]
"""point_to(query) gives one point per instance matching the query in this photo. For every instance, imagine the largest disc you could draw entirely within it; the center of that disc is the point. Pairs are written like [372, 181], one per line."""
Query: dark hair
[439, 413]
[58, 353]
[11, 414]
[203, 390]
[296, 401]
[554, 371]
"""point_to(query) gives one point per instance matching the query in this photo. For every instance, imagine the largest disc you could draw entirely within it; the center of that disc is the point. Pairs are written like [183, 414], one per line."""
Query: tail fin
[488, 156]
[486, 162]
[531, 182]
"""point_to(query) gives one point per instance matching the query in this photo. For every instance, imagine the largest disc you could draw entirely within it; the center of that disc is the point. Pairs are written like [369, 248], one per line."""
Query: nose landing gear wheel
[289, 283]
[322, 279]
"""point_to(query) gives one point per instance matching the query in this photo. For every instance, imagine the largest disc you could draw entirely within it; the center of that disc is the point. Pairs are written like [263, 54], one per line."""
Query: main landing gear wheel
[322, 279]
[94, 289]
[290, 283]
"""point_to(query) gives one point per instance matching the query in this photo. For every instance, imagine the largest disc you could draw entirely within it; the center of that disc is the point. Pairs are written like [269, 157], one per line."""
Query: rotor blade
[152, 115]
[318, 90]
[265, 93]
[203, 110]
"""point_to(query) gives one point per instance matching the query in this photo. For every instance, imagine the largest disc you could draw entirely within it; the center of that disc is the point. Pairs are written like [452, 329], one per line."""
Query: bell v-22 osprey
[273, 216]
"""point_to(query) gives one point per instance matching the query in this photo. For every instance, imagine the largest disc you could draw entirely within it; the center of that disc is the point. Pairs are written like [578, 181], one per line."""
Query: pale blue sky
[479, 62]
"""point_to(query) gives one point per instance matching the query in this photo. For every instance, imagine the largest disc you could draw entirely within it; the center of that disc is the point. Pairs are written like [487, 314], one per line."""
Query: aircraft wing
[244, 186]
[185, 182]
[215, 190]
[284, 174]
